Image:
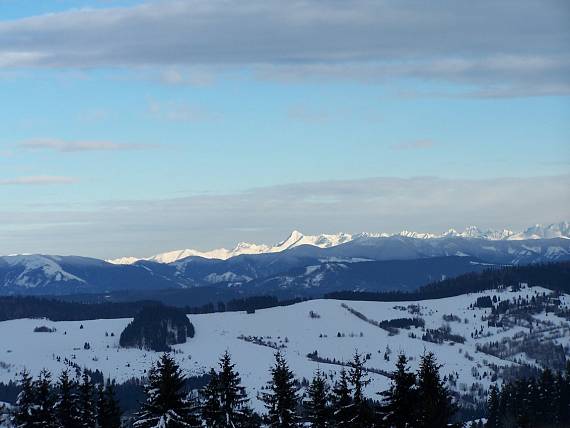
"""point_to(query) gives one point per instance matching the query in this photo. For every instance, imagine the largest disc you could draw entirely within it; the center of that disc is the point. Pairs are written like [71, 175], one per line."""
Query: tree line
[69, 403]
[418, 399]
[542, 402]
[554, 276]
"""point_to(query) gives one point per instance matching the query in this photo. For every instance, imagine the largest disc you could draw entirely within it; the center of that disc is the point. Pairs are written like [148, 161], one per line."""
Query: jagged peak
[296, 238]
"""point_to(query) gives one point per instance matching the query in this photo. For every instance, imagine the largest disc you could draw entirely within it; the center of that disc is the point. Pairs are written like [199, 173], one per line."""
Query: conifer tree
[493, 414]
[86, 402]
[361, 414]
[233, 399]
[25, 404]
[396, 410]
[166, 405]
[66, 404]
[318, 411]
[281, 400]
[44, 415]
[434, 400]
[211, 406]
[108, 410]
[560, 403]
[546, 397]
[342, 401]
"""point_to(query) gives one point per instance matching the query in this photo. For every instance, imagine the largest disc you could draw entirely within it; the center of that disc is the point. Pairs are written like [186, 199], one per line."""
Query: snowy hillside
[313, 331]
[46, 274]
[296, 238]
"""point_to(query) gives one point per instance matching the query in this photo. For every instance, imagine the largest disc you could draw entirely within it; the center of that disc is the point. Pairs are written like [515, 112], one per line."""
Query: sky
[137, 127]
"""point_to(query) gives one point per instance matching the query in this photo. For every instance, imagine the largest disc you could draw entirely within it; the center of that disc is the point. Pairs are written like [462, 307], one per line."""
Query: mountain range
[296, 238]
[299, 266]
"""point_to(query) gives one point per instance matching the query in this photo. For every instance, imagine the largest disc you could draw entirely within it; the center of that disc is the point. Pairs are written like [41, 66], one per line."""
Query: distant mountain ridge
[296, 238]
[297, 271]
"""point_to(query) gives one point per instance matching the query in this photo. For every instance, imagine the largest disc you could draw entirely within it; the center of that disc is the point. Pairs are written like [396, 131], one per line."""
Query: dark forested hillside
[55, 310]
[554, 276]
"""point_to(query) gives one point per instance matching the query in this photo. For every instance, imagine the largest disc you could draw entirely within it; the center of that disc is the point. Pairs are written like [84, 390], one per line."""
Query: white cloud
[37, 180]
[179, 111]
[414, 145]
[80, 146]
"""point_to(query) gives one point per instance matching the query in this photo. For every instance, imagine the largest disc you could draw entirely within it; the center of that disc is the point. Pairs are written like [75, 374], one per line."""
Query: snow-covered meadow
[290, 328]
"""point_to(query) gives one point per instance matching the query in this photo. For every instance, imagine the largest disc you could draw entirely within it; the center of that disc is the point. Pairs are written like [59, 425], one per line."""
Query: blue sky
[149, 115]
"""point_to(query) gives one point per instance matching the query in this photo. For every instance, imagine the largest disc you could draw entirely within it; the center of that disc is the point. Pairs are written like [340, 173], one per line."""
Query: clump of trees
[442, 334]
[66, 403]
[156, 327]
[541, 402]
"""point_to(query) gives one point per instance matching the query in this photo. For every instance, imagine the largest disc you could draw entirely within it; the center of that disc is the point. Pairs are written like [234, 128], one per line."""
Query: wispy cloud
[37, 180]
[190, 77]
[305, 114]
[266, 214]
[81, 146]
[414, 145]
[179, 112]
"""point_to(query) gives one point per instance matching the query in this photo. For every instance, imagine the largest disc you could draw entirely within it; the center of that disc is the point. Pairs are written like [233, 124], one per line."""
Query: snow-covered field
[291, 327]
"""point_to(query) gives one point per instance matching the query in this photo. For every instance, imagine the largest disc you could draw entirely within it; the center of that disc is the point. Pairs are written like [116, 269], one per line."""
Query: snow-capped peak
[538, 231]
[37, 270]
[296, 238]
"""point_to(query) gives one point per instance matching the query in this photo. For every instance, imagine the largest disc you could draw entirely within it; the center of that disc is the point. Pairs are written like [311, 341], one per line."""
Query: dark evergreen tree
[108, 409]
[86, 402]
[546, 395]
[66, 404]
[342, 401]
[22, 416]
[233, 399]
[561, 400]
[44, 415]
[318, 411]
[167, 405]
[211, 407]
[361, 413]
[532, 403]
[224, 398]
[493, 414]
[435, 405]
[396, 410]
[281, 400]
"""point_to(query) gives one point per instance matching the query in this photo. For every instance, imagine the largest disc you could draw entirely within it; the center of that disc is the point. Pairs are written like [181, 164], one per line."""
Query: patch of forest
[554, 276]
[156, 328]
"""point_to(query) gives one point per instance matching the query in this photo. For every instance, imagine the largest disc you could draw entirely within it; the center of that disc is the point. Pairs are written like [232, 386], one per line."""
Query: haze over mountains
[296, 238]
[299, 266]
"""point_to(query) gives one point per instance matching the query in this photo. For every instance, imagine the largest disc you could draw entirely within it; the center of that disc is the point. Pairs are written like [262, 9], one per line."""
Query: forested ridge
[554, 276]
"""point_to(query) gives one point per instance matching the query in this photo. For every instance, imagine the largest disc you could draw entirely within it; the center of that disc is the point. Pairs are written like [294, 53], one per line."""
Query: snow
[215, 278]
[296, 238]
[32, 265]
[290, 327]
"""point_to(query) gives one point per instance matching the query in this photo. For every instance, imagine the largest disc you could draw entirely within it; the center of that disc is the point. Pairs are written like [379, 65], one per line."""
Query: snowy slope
[296, 238]
[290, 327]
[46, 274]
[32, 271]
